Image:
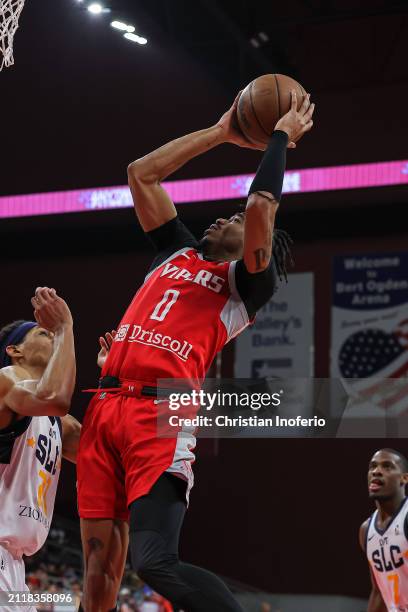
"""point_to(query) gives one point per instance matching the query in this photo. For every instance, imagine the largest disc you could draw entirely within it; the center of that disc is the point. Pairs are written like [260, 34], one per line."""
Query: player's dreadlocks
[281, 251]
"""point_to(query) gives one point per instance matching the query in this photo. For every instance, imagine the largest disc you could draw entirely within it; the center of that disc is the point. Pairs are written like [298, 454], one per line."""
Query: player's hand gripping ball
[264, 102]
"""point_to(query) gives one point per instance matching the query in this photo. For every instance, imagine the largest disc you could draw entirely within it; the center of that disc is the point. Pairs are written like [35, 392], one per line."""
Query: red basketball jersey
[183, 314]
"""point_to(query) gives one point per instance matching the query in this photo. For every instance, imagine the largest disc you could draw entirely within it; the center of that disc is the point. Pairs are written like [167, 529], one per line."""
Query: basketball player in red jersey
[195, 298]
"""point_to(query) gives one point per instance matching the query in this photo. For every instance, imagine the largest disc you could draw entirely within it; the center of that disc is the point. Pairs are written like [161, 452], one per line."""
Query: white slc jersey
[387, 553]
[30, 463]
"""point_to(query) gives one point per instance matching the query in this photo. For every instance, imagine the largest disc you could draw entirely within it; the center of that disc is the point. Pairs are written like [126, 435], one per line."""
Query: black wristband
[269, 176]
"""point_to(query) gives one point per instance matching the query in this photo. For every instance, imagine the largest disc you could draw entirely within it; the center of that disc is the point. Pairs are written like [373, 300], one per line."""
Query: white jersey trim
[382, 532]
[234, 315]
[172, 256]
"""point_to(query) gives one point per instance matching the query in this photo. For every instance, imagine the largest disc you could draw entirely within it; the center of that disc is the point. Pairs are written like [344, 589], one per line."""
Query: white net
[9, 14]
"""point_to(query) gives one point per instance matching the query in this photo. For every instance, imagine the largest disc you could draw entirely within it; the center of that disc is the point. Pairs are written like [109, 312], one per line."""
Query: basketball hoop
[9, 14]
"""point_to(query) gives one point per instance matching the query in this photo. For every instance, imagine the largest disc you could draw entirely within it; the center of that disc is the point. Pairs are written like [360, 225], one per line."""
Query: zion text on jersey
[34, 513]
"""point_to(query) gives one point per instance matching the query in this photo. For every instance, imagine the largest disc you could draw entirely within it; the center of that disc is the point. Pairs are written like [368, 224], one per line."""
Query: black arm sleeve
[255, 289]
[169, 238]
[269, 176]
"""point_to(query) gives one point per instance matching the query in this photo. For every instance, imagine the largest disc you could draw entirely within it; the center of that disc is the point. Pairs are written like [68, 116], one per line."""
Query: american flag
[374, 366]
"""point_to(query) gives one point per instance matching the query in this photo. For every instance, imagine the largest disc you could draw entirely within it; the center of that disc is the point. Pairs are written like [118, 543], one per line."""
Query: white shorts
[12, 578]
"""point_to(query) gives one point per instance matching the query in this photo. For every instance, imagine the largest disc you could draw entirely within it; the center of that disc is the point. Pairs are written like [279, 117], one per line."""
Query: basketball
[263, 102]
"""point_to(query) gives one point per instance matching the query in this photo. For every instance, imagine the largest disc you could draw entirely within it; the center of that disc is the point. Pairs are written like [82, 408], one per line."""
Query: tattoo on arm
[260, 258]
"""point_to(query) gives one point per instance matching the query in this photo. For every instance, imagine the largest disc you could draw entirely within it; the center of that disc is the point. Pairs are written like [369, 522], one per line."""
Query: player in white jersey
[37, 379]
[384, 536]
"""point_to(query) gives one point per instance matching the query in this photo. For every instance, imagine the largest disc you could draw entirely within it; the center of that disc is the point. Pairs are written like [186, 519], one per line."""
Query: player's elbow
[134, 172]
[141, 171]
[134, 169]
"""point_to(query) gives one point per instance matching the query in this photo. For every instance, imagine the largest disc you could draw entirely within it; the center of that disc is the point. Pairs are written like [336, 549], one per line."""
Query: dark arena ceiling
[81, 101]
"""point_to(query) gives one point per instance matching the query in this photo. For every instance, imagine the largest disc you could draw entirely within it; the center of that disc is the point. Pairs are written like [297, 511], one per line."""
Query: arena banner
[280, 343]
[212, 189]
[369, 334]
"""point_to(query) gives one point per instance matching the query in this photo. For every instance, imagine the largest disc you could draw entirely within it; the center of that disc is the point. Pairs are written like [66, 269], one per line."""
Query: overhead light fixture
[135, 38]
[119, 25]
[261, 38]
[96, 9]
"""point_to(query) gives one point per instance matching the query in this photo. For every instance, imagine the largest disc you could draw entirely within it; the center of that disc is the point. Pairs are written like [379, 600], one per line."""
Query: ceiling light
[135, 38]
[95, 8]
[119, 25]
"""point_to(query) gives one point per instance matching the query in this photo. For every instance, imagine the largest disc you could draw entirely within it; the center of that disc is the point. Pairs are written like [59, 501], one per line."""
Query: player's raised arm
[152, 204]
[266, 188]
[52, 395]
[375, 602]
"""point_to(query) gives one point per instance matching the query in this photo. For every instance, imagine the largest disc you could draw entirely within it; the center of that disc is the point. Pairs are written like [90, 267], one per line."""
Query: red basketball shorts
[120, 456]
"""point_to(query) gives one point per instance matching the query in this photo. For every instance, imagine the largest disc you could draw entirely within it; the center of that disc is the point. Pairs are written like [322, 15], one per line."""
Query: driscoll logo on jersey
[135, 333]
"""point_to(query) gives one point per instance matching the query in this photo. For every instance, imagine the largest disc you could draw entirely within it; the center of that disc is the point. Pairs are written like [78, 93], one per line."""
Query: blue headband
[15, 337]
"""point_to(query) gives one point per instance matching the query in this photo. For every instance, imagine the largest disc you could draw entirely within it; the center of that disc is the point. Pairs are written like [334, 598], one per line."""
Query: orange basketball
[263, 102]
